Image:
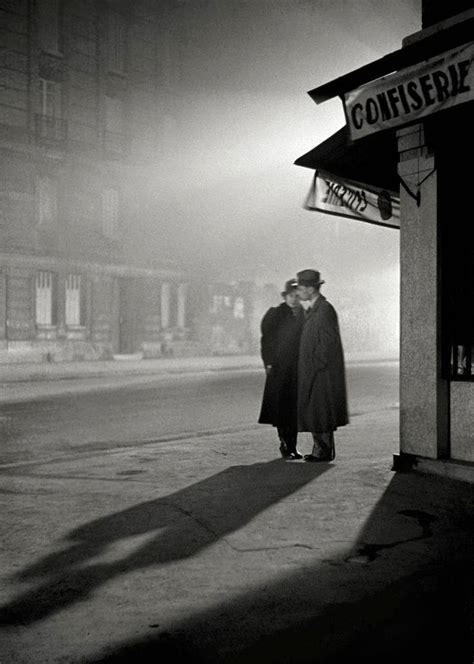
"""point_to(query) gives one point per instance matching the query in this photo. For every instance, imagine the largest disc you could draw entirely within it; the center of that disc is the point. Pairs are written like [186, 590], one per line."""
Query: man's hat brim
[309, 278]
[308, 282]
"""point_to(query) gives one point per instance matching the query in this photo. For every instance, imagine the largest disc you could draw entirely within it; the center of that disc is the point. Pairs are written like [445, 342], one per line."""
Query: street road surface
[134, 413]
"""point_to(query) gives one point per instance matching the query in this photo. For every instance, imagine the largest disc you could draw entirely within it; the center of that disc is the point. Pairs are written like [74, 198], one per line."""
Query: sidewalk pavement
[31, 371]
[131, 365]
[213, 549]
[22, 382]
[30, 380]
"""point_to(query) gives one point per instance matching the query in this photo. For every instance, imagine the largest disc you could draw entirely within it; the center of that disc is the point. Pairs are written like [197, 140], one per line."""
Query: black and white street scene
[236, 331]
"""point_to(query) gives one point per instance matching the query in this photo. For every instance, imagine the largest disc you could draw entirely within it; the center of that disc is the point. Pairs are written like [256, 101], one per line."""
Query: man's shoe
[315, 459]
[294, 455]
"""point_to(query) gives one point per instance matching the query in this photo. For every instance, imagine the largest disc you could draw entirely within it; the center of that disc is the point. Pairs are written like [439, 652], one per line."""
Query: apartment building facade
[80, 96]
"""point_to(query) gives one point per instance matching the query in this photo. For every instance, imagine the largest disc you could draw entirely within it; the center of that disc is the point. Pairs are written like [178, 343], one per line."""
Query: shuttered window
[73, 300]
[51, 98]
[47, 201]
[45, 291]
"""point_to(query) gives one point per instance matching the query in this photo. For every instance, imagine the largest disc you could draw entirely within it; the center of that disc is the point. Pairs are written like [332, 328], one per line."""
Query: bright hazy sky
[229, 194]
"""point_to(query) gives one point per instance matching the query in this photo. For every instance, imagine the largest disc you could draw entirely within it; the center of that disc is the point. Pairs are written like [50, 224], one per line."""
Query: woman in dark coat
[322, 402]
[281, 329]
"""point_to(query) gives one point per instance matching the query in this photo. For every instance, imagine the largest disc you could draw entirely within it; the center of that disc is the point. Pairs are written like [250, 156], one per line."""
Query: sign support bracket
[417, 196]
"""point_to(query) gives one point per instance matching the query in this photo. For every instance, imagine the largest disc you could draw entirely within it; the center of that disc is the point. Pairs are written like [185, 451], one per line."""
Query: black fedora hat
[309, 278]
[290, 286]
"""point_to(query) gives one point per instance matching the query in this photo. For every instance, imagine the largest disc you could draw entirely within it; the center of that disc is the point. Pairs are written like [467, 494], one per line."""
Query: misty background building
[85, 108]
[127, 197]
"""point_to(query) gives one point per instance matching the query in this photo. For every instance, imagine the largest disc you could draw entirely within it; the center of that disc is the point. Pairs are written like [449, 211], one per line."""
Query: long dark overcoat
[322, 400]
[281, 330]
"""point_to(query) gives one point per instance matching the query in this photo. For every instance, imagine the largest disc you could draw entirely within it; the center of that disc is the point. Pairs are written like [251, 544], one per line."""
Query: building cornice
[68, 264]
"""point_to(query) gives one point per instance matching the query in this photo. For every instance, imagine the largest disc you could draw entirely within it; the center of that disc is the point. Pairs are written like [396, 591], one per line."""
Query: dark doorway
[128, 316]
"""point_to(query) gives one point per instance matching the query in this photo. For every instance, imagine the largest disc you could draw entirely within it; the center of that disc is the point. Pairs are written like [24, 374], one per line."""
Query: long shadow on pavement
[188, 521]
[401, 593]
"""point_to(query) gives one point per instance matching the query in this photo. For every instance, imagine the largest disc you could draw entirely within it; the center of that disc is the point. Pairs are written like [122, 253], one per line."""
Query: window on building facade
[239, 308]
[216, 304]
[114, 124]
[51, 102]
[49, 25]
[45, 298]
[50, 124]
[47, 201]
[73, 313]
[116, 42]
[110, 212]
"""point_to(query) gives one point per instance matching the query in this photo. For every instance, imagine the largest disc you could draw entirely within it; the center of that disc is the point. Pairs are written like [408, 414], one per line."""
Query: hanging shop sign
[347, 198]
[429, 87]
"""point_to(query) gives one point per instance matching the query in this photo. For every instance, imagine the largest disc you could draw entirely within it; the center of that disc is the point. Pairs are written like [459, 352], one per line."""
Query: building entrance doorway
[128, 316]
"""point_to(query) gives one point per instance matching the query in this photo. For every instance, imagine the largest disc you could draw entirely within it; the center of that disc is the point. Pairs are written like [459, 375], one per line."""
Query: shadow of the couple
[401, 592]
[178, 525]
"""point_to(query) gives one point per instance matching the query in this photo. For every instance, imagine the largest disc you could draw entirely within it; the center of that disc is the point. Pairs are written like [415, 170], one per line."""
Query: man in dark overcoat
[322, 400]
[281, 329]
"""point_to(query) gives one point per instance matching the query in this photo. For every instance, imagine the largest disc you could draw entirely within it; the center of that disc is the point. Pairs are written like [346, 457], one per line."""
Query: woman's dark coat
[322, 401]
[281, 329]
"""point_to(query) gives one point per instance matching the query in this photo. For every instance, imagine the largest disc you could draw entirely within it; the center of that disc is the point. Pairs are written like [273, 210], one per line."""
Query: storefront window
[456, 244]
[462, 362]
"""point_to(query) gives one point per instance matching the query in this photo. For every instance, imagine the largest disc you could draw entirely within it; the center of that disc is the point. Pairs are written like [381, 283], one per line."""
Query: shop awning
[356, 180]
[411, 54]
[372, 160]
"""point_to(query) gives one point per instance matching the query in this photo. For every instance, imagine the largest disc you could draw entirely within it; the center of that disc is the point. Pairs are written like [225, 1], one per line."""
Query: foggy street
[146, 410]
[236, 332]
[155, 521]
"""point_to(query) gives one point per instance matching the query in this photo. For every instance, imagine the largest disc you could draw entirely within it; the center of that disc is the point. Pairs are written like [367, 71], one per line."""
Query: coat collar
[311, 311]
[289, 310]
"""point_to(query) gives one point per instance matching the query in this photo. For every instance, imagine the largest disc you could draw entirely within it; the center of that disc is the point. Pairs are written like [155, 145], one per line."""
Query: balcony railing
[50, 130]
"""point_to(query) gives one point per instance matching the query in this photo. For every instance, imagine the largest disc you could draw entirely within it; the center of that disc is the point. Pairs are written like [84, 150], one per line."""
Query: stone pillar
[182, 289]
[424, 395]
[165, 305]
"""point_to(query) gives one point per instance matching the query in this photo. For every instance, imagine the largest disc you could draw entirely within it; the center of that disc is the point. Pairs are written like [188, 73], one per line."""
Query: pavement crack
[217, 536]
[269, 548]
[190, 515]
[369, 552]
